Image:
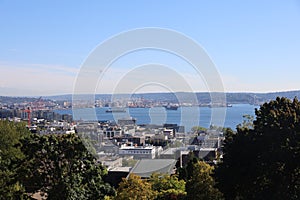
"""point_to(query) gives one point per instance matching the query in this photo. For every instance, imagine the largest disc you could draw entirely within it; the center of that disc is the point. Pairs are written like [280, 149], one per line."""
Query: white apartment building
[140, 152]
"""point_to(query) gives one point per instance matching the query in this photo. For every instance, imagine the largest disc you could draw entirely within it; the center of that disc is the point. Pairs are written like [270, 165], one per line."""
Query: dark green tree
[229, 135]
[60, 167]
[186, 171]
[201, 185]
[247, 122]
[10, 154]
[263, 162]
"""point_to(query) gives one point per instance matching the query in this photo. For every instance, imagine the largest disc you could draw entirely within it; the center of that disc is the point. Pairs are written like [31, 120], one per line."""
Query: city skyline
[254, 45]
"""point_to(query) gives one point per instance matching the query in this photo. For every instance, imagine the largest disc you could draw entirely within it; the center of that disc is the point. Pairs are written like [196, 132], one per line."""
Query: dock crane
[37, 104]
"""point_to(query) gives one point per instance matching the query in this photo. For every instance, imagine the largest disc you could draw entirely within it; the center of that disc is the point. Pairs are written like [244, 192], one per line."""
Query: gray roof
[146, 167]
[120, 169]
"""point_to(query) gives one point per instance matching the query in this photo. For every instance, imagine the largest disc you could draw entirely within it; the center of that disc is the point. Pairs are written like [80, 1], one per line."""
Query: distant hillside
[64, 97]
[202, 97]
[9, 100]
[232, 98]
[288, 94]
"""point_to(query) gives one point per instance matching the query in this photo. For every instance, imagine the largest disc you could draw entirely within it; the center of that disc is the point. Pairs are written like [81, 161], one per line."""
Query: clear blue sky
[254, 44]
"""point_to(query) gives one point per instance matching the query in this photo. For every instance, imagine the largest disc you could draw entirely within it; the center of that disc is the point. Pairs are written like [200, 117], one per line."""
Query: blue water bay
[185, 116]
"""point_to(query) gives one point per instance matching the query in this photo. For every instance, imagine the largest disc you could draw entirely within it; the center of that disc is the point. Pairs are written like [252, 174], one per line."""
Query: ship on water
[116, 110]
[171, 107]
[139, 106]
[217, 105]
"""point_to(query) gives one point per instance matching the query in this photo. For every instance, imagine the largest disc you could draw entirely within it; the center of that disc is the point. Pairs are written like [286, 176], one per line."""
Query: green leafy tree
[168, 187]
[60, 167]
[186, 172]
[135, 188]
[201, 185]
[247, 122]
[229, 135]
[263, 162]
[10, 155]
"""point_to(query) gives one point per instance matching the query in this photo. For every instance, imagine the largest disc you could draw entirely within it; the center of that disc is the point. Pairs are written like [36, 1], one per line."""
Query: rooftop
[137, 147]
[146, 167]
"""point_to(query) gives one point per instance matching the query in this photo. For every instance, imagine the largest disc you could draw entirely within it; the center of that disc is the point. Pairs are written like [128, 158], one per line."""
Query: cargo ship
[171, 107]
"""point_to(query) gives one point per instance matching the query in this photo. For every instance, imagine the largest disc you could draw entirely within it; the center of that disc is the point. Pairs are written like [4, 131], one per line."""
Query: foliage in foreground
[57, 166]
[10, 155]
[63, 168]
[134, 188]
[168, 187]
[263, 162]
[200, 185]
[158, 187]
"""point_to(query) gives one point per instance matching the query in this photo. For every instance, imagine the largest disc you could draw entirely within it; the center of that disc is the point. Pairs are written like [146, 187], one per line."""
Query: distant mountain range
[202, 97]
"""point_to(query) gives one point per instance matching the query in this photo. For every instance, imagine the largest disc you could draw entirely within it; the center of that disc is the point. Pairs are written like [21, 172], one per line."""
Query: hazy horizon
[141, 93]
